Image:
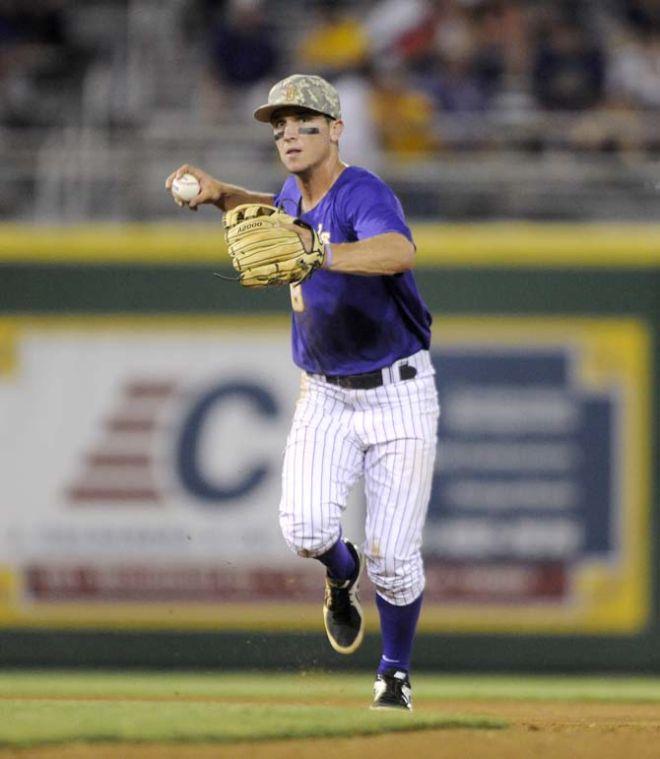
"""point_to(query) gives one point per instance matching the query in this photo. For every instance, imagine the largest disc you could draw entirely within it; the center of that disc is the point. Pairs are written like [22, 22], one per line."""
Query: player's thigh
[398, 480]
[322, 461]
[399, 468]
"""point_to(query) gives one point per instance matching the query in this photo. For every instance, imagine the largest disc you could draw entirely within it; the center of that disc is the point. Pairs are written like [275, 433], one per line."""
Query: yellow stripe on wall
[506, 244]
[474, 245]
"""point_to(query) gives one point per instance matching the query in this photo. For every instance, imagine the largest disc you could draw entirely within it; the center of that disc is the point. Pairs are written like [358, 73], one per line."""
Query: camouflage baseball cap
[302, 90]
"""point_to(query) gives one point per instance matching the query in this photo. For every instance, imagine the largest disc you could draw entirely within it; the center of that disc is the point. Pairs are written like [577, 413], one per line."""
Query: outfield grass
[38, 722]
[40, 708]
[322, 688]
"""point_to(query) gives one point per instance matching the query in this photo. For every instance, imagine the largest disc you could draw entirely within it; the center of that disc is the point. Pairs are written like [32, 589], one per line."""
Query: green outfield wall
[572, 274]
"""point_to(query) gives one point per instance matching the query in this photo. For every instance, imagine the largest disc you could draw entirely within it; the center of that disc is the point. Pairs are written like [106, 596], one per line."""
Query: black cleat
[392, 691]
[342, 613]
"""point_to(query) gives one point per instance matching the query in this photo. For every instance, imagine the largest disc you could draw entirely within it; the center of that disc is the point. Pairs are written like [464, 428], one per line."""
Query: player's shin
[339, 561]
[398, 625]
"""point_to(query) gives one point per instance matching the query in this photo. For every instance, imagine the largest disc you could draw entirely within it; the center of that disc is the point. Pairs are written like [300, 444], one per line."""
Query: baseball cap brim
[264, 112]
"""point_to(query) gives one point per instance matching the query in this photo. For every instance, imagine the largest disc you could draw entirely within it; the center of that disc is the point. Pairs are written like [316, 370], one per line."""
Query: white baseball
[185, 188]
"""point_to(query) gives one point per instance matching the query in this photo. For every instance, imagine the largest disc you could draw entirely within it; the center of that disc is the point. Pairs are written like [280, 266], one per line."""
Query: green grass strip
[322, 688]
[35, 722]
[604, 689]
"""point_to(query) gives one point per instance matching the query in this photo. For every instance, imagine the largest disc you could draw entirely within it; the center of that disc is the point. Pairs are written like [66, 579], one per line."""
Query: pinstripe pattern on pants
[388, 435]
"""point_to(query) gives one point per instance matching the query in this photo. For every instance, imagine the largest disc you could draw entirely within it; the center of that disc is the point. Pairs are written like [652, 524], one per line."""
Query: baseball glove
[264, 252]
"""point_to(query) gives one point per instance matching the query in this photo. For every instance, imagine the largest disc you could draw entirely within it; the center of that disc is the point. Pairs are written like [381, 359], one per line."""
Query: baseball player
[368, 403]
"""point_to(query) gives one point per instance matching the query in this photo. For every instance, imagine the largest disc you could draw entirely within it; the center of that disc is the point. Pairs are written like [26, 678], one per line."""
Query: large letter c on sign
[188, 464]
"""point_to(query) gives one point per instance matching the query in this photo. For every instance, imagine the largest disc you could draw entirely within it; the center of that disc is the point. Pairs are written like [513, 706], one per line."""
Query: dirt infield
[543, 730]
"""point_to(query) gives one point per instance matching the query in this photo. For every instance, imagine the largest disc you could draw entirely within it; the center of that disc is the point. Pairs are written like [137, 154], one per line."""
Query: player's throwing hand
[210, 189]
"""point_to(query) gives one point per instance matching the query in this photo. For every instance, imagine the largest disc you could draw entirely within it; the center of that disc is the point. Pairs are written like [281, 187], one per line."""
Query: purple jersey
[349, 323]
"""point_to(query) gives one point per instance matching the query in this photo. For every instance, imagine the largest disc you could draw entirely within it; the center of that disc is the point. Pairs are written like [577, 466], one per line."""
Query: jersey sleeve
[372, 208]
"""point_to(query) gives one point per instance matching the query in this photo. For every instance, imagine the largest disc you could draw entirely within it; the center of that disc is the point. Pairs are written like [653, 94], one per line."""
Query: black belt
[368, 380]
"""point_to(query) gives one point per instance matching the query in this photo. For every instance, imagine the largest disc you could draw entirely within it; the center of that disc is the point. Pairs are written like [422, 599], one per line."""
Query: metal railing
[73, 174]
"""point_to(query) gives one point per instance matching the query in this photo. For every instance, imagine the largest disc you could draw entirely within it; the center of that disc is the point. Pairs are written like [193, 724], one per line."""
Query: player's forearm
[391, 253]
[230, 196]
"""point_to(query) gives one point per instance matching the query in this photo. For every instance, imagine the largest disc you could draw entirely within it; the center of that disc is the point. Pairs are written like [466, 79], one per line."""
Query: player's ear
[336, 129]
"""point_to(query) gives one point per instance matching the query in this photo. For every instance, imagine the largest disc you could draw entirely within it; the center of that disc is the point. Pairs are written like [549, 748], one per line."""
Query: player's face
[303, 138]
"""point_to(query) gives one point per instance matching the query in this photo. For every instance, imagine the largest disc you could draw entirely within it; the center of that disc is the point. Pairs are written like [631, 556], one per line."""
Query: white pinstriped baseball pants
[388, 435]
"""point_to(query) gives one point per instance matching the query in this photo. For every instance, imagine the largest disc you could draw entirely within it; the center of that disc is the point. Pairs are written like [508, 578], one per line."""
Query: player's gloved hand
[267, 247]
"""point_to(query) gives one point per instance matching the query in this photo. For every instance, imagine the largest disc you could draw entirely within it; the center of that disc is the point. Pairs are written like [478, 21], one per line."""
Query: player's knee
[308, 541]
[399, 580]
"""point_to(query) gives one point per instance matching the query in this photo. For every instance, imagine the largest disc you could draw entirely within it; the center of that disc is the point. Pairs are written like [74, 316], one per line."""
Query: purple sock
[397, 625]
[339, 561]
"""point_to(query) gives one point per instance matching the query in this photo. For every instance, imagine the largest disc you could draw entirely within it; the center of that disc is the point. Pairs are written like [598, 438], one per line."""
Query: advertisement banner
[140, 474]
[539, 512]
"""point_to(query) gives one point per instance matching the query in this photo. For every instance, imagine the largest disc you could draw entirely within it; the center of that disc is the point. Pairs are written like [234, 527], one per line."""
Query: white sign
[141, 460]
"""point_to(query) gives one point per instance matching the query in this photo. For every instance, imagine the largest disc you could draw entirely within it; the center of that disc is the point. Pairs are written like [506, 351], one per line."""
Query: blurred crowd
[426, 75]
[39, 62]
[415, 76]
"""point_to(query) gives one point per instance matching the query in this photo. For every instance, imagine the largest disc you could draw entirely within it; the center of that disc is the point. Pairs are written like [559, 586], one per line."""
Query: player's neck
[316, 181]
